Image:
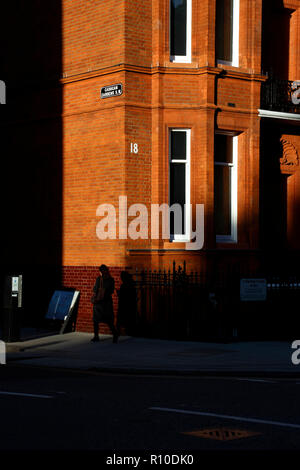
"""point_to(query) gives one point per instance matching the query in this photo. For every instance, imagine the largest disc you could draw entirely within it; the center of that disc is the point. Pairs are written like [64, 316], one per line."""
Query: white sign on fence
[253, 290]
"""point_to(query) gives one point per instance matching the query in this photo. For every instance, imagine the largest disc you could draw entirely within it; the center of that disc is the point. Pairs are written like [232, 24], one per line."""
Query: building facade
[182, 102]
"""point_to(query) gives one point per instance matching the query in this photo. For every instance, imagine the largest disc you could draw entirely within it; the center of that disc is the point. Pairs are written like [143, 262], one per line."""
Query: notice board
[254, 290]
[61, 304]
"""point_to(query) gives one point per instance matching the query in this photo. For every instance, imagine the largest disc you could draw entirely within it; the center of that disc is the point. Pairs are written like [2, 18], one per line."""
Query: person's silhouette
[102, 303]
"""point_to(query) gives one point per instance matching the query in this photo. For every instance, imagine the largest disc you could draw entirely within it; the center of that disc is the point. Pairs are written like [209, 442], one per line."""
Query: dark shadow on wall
[273, 200]
[279, 240]
[31, 150]
[275, 39]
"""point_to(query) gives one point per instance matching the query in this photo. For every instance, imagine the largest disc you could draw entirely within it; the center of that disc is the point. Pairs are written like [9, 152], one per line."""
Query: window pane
[177, 192]
[178, 27]
[224, 26]
[222, 200]
[178, 145]
[223, 148]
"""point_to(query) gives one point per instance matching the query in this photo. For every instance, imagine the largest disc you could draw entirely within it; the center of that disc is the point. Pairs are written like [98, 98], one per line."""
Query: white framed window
[225, 187]
[180, 30]
[227, 32]
[179, 182]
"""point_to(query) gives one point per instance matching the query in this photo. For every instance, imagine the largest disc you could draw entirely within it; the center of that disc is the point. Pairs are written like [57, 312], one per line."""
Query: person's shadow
[127, 305]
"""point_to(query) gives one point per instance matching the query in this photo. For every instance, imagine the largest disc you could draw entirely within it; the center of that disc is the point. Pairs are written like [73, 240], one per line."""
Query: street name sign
[111, 90]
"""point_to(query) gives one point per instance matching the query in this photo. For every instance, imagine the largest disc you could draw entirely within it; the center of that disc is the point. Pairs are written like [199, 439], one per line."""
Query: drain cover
[222, 434]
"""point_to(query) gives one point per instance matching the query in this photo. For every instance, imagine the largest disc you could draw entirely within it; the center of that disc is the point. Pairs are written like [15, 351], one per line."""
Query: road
[47, 409]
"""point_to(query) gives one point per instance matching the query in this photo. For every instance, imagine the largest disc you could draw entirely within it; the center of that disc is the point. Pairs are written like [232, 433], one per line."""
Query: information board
[61, 304]
[253, 290]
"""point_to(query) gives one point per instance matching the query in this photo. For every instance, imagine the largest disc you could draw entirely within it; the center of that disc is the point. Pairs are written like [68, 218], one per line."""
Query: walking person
[102, 303]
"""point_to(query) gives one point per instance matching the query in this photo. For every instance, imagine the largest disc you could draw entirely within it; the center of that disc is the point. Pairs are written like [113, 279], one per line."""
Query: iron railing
[178, 305]
[279, 95]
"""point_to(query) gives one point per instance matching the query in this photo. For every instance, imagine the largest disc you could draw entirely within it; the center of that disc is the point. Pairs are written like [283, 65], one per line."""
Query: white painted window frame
[188, 57]
[186, 237]
[235, 36]
[233, 237]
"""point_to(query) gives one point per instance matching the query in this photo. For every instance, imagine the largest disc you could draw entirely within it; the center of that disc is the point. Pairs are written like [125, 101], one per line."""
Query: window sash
[186, 57]
[232, 196]
[185, 236]
[232, 35]
[223, 194]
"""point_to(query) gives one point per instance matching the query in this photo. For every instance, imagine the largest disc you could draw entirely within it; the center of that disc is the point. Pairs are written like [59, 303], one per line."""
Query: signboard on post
[62, 306]
[111, 90]
[254, 290]
[59, 305]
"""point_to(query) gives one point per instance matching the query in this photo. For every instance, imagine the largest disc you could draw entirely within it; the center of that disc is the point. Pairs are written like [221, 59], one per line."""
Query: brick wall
[72, 148]
[98, 165]
[93, 35]
[93, 167]
[83, 279]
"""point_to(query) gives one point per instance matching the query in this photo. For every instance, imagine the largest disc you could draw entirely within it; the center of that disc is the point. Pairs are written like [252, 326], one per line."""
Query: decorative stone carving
[291, 4]
[290, 157]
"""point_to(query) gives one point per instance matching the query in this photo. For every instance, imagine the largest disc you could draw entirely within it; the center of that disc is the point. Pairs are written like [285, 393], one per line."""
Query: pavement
[152, 356]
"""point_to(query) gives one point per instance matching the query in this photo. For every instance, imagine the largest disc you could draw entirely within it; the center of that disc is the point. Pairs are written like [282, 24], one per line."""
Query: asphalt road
[46, 409]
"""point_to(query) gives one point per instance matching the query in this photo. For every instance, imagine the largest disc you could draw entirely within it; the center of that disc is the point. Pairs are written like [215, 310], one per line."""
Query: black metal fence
[178, 305]
[277, 95]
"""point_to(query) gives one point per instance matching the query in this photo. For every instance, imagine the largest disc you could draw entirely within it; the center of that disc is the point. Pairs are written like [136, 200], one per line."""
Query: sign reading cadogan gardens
[111, 90]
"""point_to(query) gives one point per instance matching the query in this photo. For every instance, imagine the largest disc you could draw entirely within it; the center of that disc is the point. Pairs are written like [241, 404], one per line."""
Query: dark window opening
[224, 30]
[178, 27]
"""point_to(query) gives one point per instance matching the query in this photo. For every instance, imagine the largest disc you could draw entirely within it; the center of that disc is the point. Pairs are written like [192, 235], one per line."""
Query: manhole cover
[222, 434]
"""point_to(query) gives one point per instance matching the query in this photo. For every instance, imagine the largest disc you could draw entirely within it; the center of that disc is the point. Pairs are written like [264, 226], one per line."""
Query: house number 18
[134, 148]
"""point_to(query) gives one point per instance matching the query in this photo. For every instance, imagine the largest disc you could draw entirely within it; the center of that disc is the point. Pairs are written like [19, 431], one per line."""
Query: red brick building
[206, 115]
